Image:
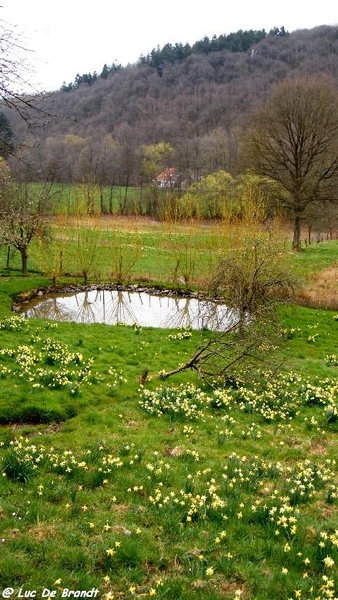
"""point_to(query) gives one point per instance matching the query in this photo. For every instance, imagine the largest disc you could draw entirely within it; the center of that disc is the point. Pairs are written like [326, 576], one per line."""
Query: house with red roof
[168, 178]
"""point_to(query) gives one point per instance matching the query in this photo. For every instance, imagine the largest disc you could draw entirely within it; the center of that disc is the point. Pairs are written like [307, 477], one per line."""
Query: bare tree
[250, 280]
[293, 140]
[18, 230]
[253, 276]
[17, 95]
[21, 215]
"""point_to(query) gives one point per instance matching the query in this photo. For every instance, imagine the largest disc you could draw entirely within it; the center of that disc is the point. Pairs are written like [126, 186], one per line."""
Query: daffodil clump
[22, 459]
[116, 378]
[332, 360]
[275, 400]
[42, 361]
[14, 323]
[97, 464]
[183, 334]
[186, 402]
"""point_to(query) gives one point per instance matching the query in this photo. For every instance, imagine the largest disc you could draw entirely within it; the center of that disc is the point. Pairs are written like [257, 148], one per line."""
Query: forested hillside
[196, 100]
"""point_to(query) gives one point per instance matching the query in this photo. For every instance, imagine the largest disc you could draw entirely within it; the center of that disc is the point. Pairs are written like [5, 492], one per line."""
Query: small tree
[232, 352]
[257, 198]
[51, 255]
[156, 157]
[87, 241]
[252, 277]
[293, 140]
[18, 230]
[250, 280]
[22, 218]
[124, 251]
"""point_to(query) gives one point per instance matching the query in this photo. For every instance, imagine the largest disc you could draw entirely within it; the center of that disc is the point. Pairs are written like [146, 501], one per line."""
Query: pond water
[130, 307]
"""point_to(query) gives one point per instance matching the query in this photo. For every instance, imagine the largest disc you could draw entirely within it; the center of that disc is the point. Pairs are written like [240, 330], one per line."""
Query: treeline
[240, 41]
[90, 78]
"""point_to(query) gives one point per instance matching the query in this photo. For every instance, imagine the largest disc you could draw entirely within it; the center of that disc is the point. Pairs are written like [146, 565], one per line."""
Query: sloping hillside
[197, 103]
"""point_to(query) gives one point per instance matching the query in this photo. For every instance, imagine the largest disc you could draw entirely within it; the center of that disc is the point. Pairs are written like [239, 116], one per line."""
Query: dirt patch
[42, 532]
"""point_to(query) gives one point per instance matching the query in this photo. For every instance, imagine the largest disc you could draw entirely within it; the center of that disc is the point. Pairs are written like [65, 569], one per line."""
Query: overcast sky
[67, 37]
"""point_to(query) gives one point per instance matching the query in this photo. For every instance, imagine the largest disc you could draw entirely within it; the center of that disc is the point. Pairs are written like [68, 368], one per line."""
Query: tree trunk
[296, 233]
[102, 207]
[24, 259]
[126, 187]
[8, 257]
[111, 211]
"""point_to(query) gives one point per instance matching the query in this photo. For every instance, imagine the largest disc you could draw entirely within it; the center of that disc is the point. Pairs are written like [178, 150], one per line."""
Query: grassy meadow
[174, 489]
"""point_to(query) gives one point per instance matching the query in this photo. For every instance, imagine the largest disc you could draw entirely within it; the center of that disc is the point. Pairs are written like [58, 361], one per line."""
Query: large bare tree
[293, 139]
[19, 97]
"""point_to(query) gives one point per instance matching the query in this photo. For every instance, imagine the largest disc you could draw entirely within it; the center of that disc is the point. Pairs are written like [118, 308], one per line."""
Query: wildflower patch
[271, 399]
[37, 365]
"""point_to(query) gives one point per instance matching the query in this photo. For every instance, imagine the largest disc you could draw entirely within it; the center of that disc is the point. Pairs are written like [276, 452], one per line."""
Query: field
[172, 489]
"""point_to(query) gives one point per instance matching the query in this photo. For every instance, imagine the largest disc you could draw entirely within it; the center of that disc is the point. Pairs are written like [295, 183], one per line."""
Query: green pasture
[181, 255]
[173, 489]
[124, 249]
[315, 258]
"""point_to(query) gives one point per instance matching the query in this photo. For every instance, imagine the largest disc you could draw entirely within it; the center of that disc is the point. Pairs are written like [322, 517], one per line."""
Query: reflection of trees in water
[117, 307]
[104, 307]
[80, 309]
[182, 314]
[215, 317]
[86, 307]
[51, 308]
[198, 314]
[111, 307]
[86, 311]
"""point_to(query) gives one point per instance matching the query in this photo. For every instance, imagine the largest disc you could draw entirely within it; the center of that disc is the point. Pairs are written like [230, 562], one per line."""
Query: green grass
[310, 335]
[169, 505]
[315, 258]
[75, 197]
[159, 256]
[165, 491]
[108, 249]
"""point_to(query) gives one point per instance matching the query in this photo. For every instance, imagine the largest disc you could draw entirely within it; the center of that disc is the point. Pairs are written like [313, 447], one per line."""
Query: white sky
[78, 36]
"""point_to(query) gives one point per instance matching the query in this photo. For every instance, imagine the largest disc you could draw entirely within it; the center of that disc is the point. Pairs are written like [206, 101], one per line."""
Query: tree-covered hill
[195, 98]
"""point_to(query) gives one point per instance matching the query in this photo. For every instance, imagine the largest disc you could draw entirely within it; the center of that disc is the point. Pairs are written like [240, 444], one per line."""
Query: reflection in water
[141, 308]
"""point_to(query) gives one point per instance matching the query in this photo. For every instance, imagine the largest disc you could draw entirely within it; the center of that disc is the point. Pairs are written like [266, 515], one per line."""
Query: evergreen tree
[104, 72]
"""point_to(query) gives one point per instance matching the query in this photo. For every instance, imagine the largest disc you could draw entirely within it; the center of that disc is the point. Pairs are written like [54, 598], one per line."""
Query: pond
[141, 308]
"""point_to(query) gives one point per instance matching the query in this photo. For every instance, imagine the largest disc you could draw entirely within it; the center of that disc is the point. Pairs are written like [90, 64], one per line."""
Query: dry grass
[322, 290]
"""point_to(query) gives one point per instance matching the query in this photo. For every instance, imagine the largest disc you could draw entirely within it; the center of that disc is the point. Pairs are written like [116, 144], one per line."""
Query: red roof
[167, 175]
